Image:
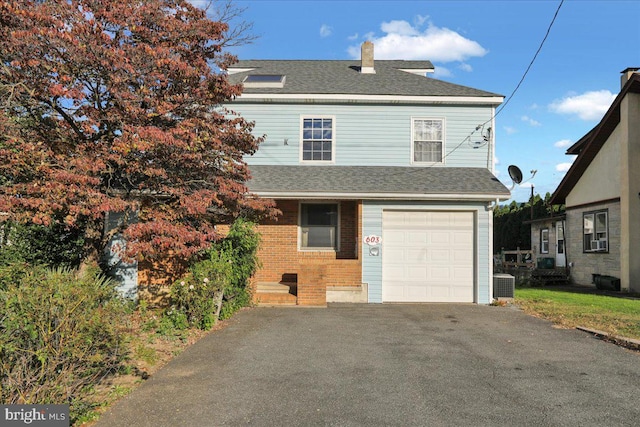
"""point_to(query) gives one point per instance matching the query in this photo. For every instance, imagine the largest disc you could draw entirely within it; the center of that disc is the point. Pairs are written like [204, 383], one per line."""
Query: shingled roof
[344, 77]
[375, 182]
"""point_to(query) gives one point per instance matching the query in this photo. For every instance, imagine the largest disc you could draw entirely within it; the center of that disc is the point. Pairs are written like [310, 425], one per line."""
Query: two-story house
[384, 177]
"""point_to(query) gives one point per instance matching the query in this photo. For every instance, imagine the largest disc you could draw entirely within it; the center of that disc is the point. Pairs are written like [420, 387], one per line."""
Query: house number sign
[372, 239]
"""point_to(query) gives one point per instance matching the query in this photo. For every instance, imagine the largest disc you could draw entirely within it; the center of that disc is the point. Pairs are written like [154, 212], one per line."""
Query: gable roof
[375, 182]
[590, 144]
[344, 77]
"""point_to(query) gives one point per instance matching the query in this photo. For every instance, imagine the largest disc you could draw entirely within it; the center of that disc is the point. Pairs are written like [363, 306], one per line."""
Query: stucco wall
[601, 180]
[630, 192]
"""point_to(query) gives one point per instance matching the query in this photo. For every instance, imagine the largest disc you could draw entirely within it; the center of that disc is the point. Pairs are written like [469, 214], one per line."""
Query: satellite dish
[515, 173]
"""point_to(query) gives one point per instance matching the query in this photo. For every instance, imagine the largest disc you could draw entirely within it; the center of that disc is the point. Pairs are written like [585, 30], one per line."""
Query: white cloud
[509, 130]
[401, 28]
[533, 106]
[531, 121]
[496, 160]
[562, 143]
[353, 37]
[465, 67]
[588, 106]
[404, 41]
[563, 167]
[527, 184]
[325, 30]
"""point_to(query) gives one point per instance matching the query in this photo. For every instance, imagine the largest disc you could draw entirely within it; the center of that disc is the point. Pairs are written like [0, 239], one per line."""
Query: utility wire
[532, 61]
[481, 126]
[517, 86]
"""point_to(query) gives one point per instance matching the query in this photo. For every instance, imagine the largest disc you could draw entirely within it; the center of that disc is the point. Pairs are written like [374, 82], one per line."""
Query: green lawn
[617, 316]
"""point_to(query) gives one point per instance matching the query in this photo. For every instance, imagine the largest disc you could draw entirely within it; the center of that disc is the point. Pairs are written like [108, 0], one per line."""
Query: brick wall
[280, 256]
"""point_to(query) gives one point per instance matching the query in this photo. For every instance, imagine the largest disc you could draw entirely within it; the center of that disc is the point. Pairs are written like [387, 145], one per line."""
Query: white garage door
[427, 256]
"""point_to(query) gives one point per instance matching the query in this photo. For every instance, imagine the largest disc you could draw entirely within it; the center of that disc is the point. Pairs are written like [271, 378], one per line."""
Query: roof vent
[366, 57]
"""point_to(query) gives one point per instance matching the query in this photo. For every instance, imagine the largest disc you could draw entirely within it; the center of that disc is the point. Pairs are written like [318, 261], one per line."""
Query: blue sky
[483, 44]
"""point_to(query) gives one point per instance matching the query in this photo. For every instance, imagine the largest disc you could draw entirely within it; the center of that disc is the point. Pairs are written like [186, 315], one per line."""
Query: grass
[617, 316]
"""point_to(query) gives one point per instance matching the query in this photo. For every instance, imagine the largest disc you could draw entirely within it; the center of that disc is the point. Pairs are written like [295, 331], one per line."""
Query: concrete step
[272, 288]
[269, 299]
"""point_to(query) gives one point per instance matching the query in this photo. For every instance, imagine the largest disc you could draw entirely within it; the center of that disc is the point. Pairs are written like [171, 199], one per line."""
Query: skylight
[264, 80]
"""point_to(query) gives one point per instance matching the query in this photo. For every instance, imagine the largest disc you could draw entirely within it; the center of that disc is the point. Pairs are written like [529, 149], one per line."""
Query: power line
[517, 86]
[532, 61]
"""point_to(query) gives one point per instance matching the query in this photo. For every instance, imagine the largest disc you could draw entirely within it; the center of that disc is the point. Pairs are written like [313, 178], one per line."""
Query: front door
[561, 259]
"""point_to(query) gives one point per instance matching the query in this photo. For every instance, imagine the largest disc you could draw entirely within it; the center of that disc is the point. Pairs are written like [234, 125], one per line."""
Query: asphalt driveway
[390, 365]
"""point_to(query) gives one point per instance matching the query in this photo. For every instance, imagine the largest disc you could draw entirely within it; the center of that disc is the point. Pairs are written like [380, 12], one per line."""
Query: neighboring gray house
[548, 239]
[384, 177]
[601, 192]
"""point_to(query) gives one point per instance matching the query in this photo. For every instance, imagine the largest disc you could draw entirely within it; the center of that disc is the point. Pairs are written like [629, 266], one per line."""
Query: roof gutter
[355, 98]
[379, 196]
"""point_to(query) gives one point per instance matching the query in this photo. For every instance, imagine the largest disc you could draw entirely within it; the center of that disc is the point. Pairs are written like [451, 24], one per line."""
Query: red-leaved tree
[116, 106]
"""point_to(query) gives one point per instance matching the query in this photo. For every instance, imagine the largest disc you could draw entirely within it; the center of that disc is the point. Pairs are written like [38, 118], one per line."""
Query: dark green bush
[241, 247]
[55, 245]
[226, 267]
[59, 333]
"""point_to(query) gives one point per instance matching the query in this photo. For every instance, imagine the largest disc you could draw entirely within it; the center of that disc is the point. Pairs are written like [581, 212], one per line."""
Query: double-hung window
[319, 226]
[318, 139]
[544, 241]
[595, 231]
[427, 140]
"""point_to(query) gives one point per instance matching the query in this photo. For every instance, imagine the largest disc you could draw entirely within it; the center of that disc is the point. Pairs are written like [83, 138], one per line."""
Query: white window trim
[333, 138]
[318, 202]
[444, 140]
[594, 238]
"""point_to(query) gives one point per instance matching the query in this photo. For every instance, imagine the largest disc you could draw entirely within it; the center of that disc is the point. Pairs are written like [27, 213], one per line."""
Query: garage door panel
[415, 255]
[461, 255]
[462, 238]
[439, 255]
[440, 238]
[416, 273]
[428, 256]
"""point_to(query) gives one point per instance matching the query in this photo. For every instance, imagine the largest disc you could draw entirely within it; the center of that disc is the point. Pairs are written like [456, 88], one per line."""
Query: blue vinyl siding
[367, 134]
[372, 224]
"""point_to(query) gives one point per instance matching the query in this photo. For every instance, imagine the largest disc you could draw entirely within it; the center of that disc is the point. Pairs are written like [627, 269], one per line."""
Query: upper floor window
[318, 139]
[427, 140]
[595, 231]
[544, 241]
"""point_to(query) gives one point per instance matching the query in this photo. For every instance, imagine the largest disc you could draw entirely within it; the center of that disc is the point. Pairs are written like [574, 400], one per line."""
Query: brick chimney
[366, 57]
[626, 75]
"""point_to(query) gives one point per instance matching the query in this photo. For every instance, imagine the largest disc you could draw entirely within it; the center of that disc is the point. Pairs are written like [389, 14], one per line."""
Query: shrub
[58, 335]
[53, 245]
[195, 294]
[225, 267]
[241, 247]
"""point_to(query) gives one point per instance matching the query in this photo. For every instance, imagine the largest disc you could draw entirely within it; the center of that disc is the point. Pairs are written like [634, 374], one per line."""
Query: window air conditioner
[598, 245]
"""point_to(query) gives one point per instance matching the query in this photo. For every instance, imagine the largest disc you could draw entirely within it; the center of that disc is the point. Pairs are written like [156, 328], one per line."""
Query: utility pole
[531, 201]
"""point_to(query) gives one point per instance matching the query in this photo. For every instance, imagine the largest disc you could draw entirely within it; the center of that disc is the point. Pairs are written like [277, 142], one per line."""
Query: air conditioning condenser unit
[503, 285]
